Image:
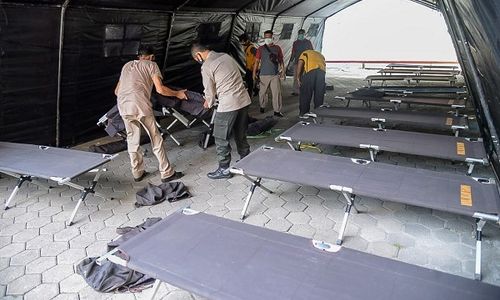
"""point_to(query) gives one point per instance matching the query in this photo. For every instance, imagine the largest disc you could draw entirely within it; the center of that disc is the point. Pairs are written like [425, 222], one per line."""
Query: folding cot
[27, 162]
[163, 106]
[223, 259]
[415, 66]
[419, 72]
[470, 151]
[386, 116]
[459, 194]
[434, 90]
[396, 101]
[409, 78]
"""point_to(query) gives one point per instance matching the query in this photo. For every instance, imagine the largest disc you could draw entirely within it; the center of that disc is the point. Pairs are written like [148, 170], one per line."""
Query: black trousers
[312, 82]
[251, 87]
[226, 124]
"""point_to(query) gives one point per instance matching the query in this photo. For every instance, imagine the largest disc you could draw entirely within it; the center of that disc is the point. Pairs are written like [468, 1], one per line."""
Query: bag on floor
[261, 126]
[153, 194]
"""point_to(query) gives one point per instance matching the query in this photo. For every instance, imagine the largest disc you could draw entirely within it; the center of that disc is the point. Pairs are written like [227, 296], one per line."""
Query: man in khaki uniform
[134, 92]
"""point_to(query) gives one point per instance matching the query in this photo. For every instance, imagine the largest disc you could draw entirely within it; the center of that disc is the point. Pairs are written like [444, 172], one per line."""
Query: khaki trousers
[273, 82]
[133, 126]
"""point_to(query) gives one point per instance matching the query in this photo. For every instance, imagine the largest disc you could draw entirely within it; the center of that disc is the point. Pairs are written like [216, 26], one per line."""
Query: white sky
[387, 30]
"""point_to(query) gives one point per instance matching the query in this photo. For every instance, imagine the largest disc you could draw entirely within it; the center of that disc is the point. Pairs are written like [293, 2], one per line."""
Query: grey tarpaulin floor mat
[223, 259]
[27, 159]
[411, 100]
[424, 188]
[416, 143]
[432, 120]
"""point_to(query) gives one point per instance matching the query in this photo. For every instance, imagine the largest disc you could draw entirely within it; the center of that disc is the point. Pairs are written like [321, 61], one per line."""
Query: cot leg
[293, 147]
[156, 286]
[85, 192]
[470, 169]
[350, 204]
[479, 228]
[373, 154]
[20, 182]
[249, 197]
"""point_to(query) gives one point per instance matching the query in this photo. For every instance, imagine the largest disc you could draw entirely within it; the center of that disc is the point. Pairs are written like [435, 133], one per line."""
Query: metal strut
[20, 182]
[479, 235]
[350, 204]
[255, 183]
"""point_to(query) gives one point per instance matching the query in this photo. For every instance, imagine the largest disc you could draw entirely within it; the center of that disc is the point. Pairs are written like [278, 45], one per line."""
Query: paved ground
[38, 252]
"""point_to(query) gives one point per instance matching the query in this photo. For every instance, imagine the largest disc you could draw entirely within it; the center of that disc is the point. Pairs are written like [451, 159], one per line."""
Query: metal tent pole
[59, 72]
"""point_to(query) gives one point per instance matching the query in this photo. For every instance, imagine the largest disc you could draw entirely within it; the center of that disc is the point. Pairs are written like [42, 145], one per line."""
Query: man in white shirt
[223, 82]
[133, 92]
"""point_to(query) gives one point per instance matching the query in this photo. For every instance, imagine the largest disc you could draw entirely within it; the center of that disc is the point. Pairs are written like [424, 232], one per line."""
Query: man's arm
[300, 68]
[209, 85]
[256, 67]
[281, 66]
[166, 91]
[117, 87]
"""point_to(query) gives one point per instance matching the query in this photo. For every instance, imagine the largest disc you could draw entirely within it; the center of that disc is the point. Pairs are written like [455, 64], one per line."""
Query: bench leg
[479, 229]
[249, 197]
[20, 182]
[470, 169]
[85, 192]
[349, 205]
[156, 286]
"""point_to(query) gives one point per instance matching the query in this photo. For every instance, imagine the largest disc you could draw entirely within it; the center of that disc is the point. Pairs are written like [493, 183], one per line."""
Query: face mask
[300, 36]
[268, 41]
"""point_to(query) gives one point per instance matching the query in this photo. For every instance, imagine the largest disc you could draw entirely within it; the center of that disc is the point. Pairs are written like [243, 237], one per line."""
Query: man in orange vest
[249, 50]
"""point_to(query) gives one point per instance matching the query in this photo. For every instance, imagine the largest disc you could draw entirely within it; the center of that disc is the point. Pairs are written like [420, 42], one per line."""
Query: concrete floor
[38, 251]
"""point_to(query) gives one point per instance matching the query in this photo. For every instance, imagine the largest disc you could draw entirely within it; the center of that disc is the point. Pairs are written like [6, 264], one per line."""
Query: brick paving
[38, 251]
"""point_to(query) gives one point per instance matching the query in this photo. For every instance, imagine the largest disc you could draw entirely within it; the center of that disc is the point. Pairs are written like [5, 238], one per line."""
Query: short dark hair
[199, 46]
[268, 32]
[243, 37]
[145, 50]
[302, 31]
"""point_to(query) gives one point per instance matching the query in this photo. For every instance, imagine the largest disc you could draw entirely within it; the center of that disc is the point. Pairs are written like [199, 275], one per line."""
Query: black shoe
[220, 173]
[295, 94]
[174, 176]
[262, 110]
[140, 178]
[278, 114]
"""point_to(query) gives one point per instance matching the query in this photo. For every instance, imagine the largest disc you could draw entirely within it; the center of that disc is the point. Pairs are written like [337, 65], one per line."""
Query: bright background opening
[388, 30]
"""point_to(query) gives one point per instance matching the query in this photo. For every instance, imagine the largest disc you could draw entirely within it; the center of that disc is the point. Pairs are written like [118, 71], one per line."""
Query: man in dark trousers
[133, 92]
[311, 71]
[250, 51]
[270, 63]
[223, 83]
[300, 45]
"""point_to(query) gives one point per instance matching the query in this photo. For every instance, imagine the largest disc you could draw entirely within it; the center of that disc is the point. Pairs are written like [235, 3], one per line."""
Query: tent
[60, 59]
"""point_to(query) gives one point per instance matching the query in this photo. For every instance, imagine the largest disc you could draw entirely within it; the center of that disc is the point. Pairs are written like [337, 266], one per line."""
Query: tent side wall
[479, 21]
[98, 42]
[181, 70]
[28, 62]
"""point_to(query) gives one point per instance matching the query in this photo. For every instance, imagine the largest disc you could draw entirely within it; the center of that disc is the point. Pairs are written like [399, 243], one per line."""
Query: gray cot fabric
[416, 143]
[432, 120]
[424, 188]
[27, 159]
[222, 259]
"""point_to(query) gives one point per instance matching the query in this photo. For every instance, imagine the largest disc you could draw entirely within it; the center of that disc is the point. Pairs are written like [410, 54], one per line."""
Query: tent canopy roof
[295, 8]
